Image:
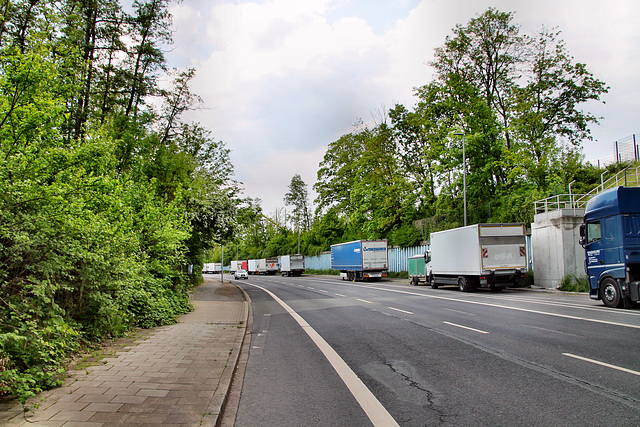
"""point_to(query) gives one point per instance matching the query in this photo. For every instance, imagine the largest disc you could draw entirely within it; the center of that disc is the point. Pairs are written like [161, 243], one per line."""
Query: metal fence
[398, 258]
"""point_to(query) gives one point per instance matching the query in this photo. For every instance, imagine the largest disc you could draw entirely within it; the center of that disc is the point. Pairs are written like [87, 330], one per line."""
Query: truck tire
[610, 293]
[415, 281]
[463, 284]
[432, 281]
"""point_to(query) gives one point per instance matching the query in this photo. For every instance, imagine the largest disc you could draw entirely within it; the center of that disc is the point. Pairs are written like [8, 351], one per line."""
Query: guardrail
[560, 201]
[628, 177]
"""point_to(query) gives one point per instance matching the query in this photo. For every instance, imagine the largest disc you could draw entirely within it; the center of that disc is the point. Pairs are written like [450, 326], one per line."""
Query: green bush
[573, 283]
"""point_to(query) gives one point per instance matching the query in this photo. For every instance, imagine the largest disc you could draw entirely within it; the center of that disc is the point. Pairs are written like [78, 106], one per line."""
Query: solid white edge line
[619, 368]
[377, 413]
[397, 309]
[466, 327]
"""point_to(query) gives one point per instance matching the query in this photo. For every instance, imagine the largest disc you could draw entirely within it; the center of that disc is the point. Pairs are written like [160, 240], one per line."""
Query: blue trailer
[611, 239]
[361, 259]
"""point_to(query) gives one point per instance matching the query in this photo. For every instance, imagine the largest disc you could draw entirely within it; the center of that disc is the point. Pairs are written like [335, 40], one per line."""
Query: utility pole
[464, 177]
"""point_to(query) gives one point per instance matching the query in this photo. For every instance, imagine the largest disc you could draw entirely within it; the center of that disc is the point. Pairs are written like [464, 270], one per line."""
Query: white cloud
[281, 79]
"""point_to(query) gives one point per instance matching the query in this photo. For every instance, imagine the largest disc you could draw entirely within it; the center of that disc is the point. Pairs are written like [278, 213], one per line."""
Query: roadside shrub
[573, 283]
[322, 272]
[398, 274]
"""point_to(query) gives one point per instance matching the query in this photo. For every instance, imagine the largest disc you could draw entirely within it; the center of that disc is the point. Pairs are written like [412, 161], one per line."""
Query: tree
[298, 197]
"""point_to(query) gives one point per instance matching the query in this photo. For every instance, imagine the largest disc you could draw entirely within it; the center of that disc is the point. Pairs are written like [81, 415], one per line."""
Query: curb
[215, 411]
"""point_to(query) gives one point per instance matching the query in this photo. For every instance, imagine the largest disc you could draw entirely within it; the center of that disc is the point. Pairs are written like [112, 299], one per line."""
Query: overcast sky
[281, 79]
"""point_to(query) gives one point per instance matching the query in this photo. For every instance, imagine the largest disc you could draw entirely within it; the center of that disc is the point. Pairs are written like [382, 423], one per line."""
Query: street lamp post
[464, 177]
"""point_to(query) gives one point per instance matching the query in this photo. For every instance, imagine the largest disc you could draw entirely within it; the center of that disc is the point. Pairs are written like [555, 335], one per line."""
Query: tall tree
[298, 197]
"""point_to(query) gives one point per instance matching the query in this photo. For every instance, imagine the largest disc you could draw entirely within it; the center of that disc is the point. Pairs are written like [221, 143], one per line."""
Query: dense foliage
[106, 195]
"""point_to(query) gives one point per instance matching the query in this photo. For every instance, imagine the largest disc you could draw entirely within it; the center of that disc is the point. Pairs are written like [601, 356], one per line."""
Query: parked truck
[478, 256]
[208, 268]
[257, 266]
[238, 265]
[361, 259]
[292, 265]
[419, 270]
[271, 265]
[611, 240]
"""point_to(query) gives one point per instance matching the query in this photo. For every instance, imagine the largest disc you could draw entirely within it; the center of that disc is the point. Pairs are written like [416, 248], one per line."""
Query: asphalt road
[437, 357]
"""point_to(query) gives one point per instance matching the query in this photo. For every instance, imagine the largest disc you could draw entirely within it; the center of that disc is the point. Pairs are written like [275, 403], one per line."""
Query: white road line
[377, 413]
[397, 309]
[629, 371]
[466, 327]
[322, 290]
[309, 287]
[506, 307]
[364, 300]
[459, 311]
[340, 295]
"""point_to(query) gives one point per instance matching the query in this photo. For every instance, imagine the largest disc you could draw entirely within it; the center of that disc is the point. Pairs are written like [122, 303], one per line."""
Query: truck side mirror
[583, 240]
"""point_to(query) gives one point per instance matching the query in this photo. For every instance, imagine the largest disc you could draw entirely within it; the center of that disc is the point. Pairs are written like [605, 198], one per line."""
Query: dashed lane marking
[466, 327]
[597, 362]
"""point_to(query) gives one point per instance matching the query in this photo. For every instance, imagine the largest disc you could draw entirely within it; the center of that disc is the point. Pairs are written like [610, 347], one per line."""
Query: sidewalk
[173, 375]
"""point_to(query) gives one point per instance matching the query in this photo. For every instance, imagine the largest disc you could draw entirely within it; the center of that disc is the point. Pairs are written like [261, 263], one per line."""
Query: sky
[282, 79]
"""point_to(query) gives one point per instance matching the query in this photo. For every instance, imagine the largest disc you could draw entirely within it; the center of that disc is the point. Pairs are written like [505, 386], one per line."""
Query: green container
[417, 264]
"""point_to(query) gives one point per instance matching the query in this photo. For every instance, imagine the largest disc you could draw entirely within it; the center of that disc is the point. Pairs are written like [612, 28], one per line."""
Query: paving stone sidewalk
[172, 375]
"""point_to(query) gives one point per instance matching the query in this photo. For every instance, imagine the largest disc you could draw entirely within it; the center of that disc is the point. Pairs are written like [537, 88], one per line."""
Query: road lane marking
[322, 290]
[466, 327]
[397, 309]
[597, 362]
[340, 295]
[377, 413]
[364, 300]
[506, 307]
[459, 311]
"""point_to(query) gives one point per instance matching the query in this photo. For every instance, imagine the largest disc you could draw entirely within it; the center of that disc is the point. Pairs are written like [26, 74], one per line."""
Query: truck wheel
[610, 293]
[414, 281]
[463, 284]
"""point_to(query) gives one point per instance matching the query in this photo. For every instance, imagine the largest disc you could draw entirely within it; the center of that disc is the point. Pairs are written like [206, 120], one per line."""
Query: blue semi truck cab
[610, 236]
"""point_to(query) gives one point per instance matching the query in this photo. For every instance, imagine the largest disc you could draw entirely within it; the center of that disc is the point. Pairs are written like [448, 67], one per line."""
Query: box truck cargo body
[272, 265]
[481, 255]
[238, 265]
[257, 266]
[418, 266]
[361, 259]
[292, 265]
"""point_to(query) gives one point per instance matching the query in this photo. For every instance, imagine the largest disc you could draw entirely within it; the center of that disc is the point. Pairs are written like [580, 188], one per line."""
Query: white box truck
[481, 255]
[292, 265]
[257, 266]
[235, 265]
[271, 265]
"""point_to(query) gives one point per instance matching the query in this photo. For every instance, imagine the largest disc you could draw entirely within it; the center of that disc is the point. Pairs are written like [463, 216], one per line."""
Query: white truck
[481, 255]
[271, 265]
[209, 268]
[257, 266]
[292, 265]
